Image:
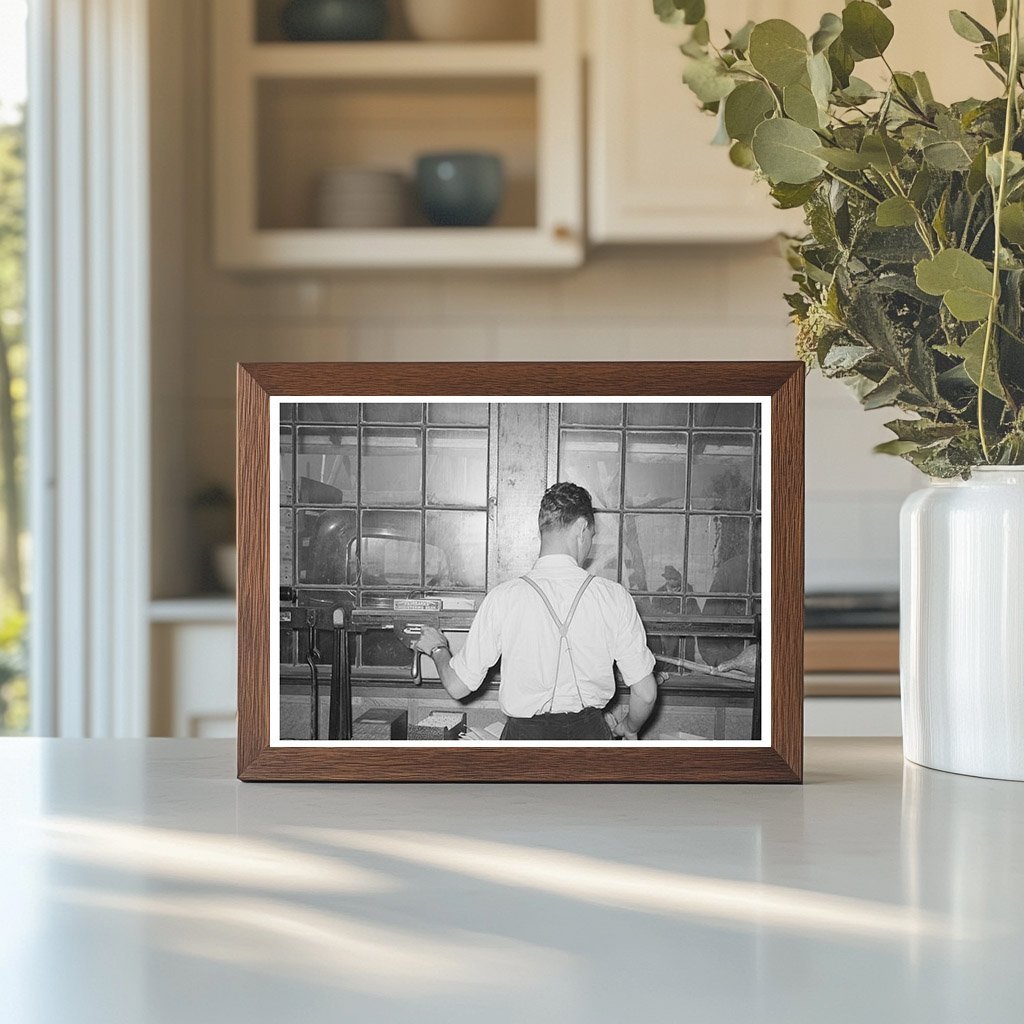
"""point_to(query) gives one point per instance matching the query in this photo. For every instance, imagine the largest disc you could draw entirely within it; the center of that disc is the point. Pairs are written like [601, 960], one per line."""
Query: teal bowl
[460, 190]
[334, 21]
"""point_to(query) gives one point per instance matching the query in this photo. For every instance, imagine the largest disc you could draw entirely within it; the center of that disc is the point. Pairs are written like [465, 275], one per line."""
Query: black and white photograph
[519, 571]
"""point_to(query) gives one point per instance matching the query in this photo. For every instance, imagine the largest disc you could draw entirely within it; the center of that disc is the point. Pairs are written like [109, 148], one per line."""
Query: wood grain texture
[852, 650]
[781, 762]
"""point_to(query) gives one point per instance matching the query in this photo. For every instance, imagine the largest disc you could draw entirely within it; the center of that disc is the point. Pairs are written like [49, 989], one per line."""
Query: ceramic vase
[962, 624]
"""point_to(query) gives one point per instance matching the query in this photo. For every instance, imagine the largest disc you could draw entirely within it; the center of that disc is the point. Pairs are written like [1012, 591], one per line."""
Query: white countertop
[142, 884]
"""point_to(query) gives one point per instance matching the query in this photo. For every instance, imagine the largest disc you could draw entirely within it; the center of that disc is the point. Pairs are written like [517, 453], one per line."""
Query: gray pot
[460, 189]
[334, 20]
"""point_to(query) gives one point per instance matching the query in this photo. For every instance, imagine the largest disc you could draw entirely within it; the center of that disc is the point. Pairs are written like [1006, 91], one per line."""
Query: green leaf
[741, 155]
[701, 33]
[896, 447]
[800, 105]
[858, 91]
[976, 174]
[921, 186]
[963, 281]
[739, 41]
[844, 159]
[885, 394]
[789, 197]
[924, 87]
[999, 6]
[785, 152]
[946, 156]
[708, 81]
[883, 153]
[923, 431]
[994, 169]
[778, 50]
[820, 75]
[968, 28]
[971, 352]
[842, 61]
[896, 212]
[866, 29]
[676, 12]
[830, 29]
[1012, 225]
[745, 108]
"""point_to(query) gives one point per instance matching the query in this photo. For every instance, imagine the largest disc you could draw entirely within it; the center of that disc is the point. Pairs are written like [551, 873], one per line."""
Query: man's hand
[430, 639]
[617, 724]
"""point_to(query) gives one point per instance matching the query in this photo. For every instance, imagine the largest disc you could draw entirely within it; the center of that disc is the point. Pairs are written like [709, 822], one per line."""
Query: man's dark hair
[562, 504]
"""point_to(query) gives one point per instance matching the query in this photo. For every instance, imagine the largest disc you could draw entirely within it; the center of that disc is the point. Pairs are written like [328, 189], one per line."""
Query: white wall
[665, 303]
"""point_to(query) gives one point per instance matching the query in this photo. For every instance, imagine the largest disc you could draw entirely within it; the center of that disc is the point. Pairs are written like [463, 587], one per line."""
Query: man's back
[540, 673]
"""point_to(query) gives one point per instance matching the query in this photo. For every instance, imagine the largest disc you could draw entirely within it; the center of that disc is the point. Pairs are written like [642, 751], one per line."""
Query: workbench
[143, 884]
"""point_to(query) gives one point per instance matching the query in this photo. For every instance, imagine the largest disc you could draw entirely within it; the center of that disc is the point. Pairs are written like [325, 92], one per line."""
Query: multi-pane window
[383, 500]
[677, 492]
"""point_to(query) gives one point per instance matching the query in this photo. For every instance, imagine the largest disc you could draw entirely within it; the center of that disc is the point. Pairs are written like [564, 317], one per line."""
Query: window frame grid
[290, 419]
[752, 514]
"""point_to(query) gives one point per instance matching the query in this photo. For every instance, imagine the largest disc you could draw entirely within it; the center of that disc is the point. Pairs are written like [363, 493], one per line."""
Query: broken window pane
[328, 412]
[722, 473]
[326, 466]
[658, 414]
[471, 414]
[392, 412]
[391, 549]
[327, 546]
[719, 554]
[592, 414]
[592, 459]
[457, 467]
[652, 551]
[456, 550]
[724, 414]
[604, 555]
[655, 470]
[392, 466]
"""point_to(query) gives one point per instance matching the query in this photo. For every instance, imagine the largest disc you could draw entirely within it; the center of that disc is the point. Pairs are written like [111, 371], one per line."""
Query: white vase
[962, 624]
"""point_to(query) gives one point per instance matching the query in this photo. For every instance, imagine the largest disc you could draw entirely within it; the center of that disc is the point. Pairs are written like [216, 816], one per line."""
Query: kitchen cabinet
[653, 175]
[286, 114]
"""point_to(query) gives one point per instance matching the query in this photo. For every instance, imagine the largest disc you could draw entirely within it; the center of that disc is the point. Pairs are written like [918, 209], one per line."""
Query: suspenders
[563, 634]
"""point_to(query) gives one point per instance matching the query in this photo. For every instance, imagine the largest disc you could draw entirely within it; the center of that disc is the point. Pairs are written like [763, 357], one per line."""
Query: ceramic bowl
[468, 20]
[460, 189]
[334, 20]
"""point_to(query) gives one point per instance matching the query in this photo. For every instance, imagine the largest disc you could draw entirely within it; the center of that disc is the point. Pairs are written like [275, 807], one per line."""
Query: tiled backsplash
[704, 303]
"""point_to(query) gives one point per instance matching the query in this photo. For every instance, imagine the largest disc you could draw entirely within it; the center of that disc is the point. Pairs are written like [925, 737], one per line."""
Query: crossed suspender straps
[563, 634]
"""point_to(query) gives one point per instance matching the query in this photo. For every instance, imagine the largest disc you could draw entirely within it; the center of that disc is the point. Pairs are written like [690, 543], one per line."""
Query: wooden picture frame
[777, 758]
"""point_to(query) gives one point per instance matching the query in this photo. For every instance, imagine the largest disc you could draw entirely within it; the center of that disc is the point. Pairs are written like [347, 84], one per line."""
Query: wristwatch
[439, 647]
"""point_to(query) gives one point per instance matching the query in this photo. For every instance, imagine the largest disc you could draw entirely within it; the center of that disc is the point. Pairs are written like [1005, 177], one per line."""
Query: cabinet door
[654, 175]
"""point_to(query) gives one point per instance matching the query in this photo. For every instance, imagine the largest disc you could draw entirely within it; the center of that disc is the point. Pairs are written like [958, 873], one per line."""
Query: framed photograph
[544, 572]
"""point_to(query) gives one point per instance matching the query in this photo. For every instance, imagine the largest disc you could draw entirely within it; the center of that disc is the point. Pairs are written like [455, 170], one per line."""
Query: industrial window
[380, 501]
[677, 492]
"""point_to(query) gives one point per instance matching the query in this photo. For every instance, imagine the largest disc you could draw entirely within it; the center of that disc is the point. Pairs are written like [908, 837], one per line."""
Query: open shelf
[393, 60]
[519, 19]
[286, 114]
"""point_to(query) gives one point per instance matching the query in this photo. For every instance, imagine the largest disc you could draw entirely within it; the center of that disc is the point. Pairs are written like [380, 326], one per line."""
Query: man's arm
[433, 640]
[642, 696]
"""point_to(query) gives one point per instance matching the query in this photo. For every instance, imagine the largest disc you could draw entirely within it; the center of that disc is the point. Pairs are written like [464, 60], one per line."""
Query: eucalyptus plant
[910, 278]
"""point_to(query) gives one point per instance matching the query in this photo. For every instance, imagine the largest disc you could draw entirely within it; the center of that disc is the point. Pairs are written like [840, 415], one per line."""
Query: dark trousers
[588, 724]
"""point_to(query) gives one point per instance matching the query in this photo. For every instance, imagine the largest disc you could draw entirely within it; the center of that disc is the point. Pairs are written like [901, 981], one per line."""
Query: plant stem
[854, 186]
[993, 309]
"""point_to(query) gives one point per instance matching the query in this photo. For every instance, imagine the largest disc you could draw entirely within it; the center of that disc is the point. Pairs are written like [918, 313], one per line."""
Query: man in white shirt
[558, 630]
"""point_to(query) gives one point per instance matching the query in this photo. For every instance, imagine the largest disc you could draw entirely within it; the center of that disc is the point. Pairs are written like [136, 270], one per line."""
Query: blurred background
[254, 180]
